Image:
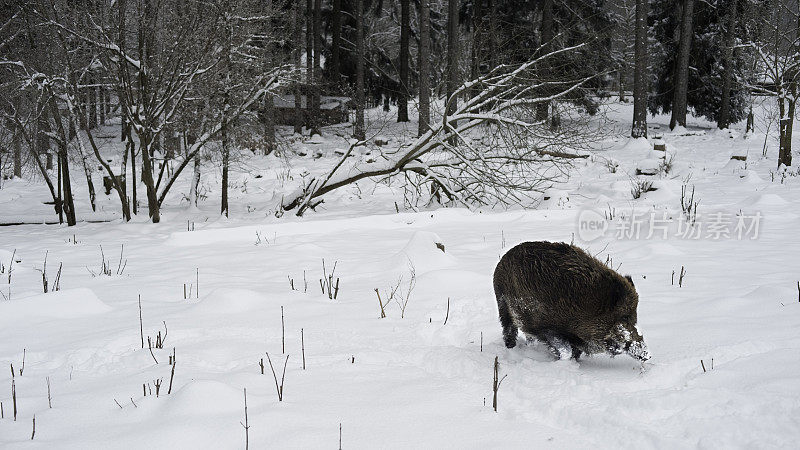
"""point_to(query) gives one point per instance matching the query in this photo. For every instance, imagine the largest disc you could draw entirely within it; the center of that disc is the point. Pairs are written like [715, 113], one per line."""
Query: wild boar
[562, 296]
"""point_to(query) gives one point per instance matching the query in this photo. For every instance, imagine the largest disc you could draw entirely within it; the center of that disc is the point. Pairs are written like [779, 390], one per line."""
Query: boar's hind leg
[510, 330]
[559, 345]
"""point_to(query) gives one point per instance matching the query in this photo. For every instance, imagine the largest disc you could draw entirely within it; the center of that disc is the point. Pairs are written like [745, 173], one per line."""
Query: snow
[680, 129]
[61, 305]
[638, 144]
[412, 382]
[649, 166]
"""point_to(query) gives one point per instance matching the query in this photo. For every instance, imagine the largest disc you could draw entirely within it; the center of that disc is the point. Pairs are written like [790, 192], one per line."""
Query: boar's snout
[626, 339]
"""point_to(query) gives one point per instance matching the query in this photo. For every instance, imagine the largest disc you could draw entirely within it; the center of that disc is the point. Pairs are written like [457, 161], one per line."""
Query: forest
[399, 224]
[187, 81]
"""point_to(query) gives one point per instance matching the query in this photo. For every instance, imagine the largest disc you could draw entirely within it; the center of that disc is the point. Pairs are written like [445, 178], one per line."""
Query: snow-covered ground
[412, 381]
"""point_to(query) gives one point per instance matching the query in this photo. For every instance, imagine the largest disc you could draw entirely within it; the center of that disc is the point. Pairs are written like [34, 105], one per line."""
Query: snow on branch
[502, 154]
[261, 86]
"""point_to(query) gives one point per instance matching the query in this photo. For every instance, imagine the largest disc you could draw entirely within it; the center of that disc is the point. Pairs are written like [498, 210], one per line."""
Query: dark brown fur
[564, 297]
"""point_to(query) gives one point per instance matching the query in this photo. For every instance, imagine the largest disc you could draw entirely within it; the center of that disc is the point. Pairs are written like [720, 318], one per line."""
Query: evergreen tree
[706, 60]
[520, 31]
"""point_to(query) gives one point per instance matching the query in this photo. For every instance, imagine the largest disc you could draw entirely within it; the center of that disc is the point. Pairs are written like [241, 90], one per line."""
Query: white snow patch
[421, 252]
[638, 144]
[64, 304]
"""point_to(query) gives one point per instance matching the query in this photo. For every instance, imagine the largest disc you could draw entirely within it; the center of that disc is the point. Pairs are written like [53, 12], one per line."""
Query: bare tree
[29, 101]
[225, 132]
[503, 154]
[777, 47]
[155, 95]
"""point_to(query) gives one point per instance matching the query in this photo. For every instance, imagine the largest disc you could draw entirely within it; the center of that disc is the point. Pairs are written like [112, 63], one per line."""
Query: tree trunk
[67, 204]
[682, 68]
[727, 66]
[153, 209]
[359, 131]
[424, 56]
[298, 97]
[336, 23]
[786, 105]
[225, 164]
[17, 155]
[195, 184]
[494, 47]
[125, 131]
[316, 98]
[269, 124]
[91, 92]
[640, 72]
[309, 87]
[30, 140]
[103, 99]
[452, 58]
[405, 31]
[476, 48]
[547, 33]
[59, 198]
[134, 180]
[106, 102]
[87, 170]
[226, 101]
[268, 103]
[42, 140]
[146, 138]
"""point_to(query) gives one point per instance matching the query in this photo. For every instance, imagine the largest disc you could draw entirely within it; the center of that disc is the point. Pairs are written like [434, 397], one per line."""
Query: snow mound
[203, 398]
[680, 129]
[649, 166]
[765, 200]
[764, 294]
[315, 139]
[751, 177]
[231, 301]
[739, 153]
[424, 253]
[638, 144]
[66, 304]
[733, 165]
[654, 154]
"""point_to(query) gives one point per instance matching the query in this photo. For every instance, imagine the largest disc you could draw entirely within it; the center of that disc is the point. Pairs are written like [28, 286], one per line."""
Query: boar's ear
[630, 280]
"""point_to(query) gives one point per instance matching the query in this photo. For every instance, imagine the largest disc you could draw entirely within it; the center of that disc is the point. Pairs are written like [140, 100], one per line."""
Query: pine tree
[640, 76]
[705, 80]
